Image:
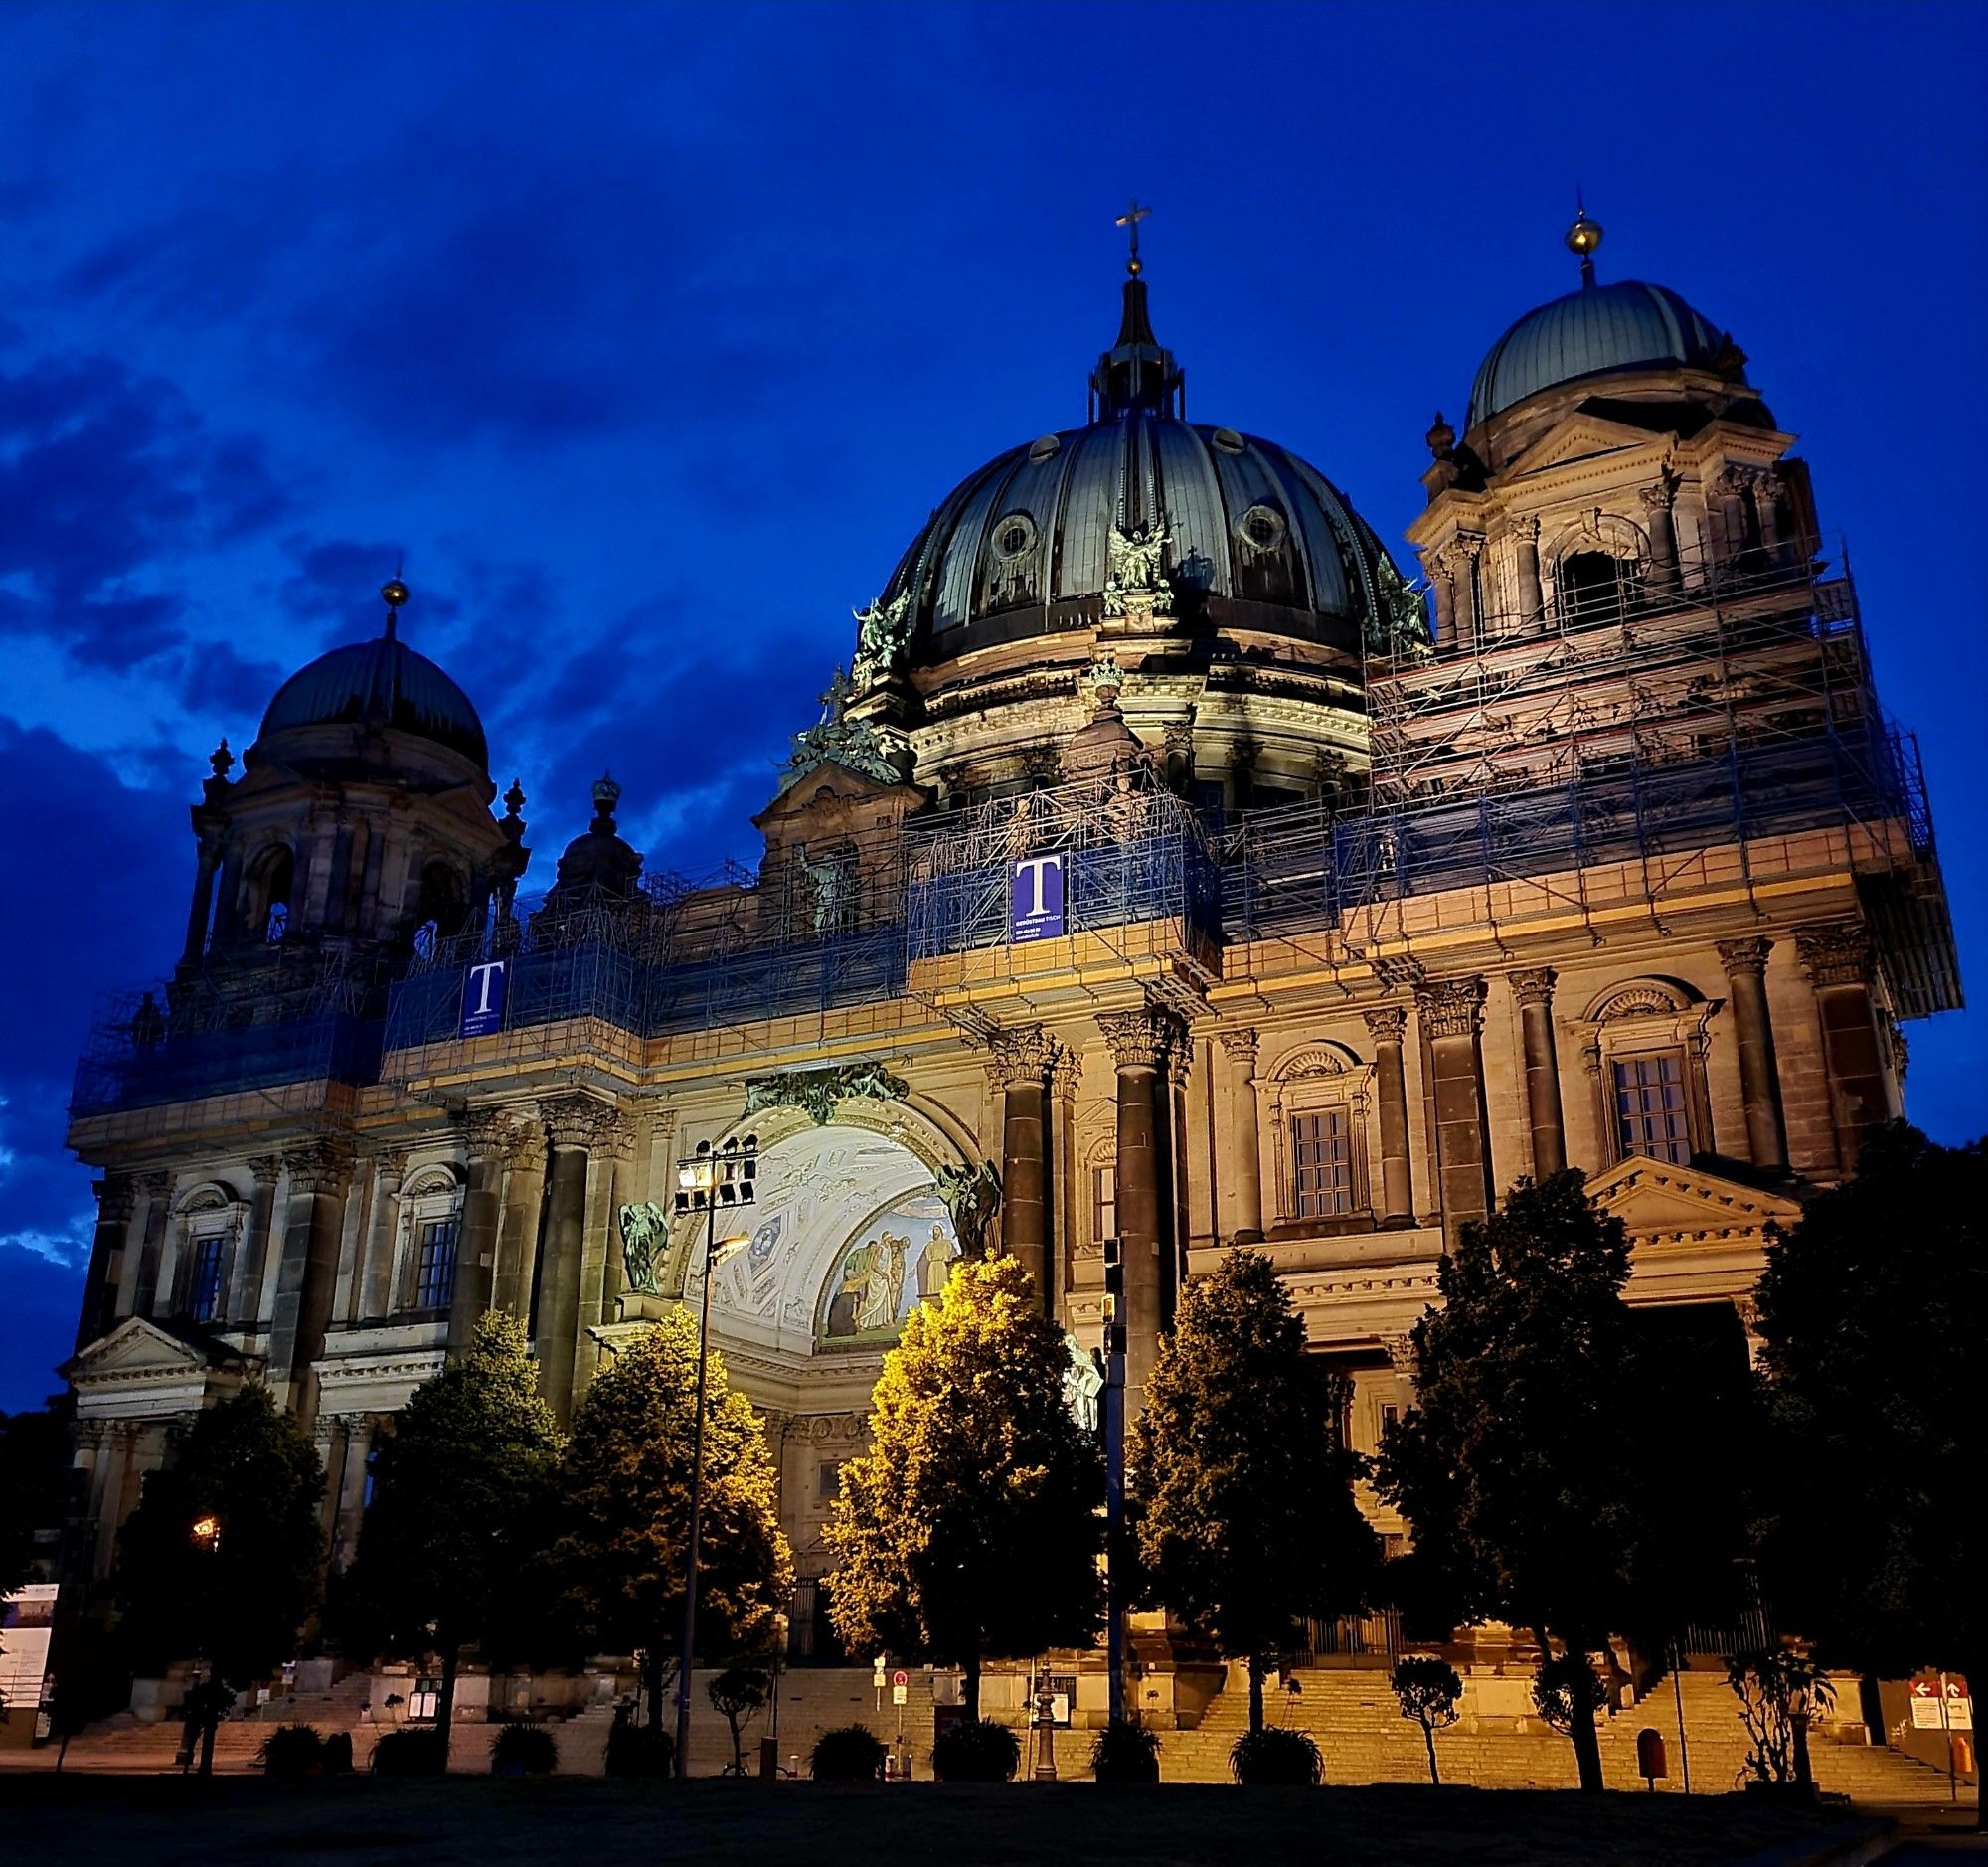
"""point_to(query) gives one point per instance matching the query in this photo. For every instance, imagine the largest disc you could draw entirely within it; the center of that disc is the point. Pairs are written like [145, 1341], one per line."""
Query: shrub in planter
[409, 1752]
[1126, 1752]
[524, 1750]
[985, 1752]
[1277, 1757]
[293, 1751]
[644, 1752]
[847, 1753]
[338, 1754]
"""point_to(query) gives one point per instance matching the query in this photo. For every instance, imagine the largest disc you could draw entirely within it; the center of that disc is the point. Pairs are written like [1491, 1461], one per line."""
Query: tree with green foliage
[223, 1559]
[1510, 1464]
[1240, 1488]
[462, 1496]
[625, 1508]
[1873, 1313]
[969, 1530]
[1429, 1690]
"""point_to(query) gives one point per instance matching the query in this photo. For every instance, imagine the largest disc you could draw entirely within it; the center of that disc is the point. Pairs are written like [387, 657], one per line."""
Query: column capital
[1534, 985]
[154, 1183]
[525, 1142]
[1838, 955]
[1452, 1007]
[1068, 1073]
[1401, 1352]
[115, 1198]
[577, 1119]
[1660, 497]
[320, 1166]
[1241, 1046]
[479, 1127]
[1387, 1024]
[1526, 528]
[390, 1167]
[267, 1170]
[1743, 957]
[1139, 1037]
[1021, 1058]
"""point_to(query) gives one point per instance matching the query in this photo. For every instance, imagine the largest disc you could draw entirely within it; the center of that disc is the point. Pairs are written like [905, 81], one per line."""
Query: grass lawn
[162, 1821]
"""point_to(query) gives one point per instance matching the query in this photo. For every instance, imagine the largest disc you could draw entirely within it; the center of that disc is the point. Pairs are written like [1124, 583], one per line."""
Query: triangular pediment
[1658, 1202]
[136, 1346]
[1582, 438]
[842, 784]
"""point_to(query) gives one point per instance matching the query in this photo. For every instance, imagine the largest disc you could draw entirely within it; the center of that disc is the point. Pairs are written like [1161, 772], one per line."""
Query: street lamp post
[705, 1182]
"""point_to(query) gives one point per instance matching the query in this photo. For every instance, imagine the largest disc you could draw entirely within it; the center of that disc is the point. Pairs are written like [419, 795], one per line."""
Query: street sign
[899, 1694]
[901, 1680]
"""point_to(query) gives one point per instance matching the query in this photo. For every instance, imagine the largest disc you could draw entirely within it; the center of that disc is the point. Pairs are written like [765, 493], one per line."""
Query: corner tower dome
[1591, 332]
[383, 682]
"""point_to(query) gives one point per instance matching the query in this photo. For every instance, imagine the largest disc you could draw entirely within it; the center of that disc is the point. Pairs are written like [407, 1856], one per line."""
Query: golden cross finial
[1129, 220]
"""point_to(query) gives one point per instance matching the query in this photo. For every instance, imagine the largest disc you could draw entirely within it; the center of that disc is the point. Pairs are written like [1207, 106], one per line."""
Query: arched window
[1594, 583]
[1645, 1044]
[443, 902]
[271, 877]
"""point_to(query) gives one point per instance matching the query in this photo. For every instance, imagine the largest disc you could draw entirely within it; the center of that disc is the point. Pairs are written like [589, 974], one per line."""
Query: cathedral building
[1168, 865]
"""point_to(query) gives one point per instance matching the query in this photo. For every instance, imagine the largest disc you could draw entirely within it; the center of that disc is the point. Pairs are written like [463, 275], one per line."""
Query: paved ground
[153, 1822]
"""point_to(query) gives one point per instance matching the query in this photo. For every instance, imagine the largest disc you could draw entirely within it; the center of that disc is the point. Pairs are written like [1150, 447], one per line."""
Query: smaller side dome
[1590, 332]
[597, 858]
[382, 682]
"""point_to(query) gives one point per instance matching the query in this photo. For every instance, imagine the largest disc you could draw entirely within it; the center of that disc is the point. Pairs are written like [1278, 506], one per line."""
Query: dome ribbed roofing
[382, 682]
[1245, 521]
[1600, 328]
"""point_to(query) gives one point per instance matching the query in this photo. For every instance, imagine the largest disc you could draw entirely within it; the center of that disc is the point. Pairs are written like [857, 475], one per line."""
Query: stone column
[1247, 1138]
[1838, 963]
[1745, 963]
[1387, 1025]
[518, 1239]
[252, 1254]
[1767, 509]
[1445, 598]
[1069, 1193]
[1532, 601]
[575, 1123]
[476, 1243]
[1452, 1012]
[201, 910]
[1019, 1070]
[138, 1293]
[1462, 557]
[320, 1172]
[116, 1198]
[1659, 508]
[1139, 1042]
[1170, 1124]
[1731, 488]
[1533, 989]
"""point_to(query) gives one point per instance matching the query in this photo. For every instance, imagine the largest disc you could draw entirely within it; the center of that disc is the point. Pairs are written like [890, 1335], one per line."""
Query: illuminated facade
[1167, 866]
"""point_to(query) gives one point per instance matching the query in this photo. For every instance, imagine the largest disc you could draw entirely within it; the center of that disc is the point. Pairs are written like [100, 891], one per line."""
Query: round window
[1045, 449]
[1014, 535]
[1228, 440]
[1262, 527]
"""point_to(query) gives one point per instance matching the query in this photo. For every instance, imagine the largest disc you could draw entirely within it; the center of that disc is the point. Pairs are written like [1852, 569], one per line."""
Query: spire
[1583, 238]
[1137, 372]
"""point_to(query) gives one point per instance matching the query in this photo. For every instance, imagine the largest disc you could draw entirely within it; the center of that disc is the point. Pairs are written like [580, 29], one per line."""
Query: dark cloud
[337, 581]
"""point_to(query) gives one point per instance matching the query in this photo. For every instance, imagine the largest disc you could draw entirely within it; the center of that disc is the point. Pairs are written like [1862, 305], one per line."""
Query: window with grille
[1322, 1163]
[204, 1282]
[434, 1263]
[1650, 1114]
[1103, 1201]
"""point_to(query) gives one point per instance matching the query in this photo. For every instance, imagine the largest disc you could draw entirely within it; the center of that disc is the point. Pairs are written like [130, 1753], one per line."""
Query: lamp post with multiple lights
[707, 1181]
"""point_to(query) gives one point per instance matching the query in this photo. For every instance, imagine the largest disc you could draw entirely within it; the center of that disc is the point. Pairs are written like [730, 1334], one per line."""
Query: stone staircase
[1352, 1714]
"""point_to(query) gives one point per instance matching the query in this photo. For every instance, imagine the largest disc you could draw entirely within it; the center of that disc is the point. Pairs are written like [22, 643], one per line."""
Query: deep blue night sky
[651, 335]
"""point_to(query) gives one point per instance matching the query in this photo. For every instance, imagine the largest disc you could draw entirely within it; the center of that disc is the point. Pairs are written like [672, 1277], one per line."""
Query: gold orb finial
[1585, 235]
[395, 591]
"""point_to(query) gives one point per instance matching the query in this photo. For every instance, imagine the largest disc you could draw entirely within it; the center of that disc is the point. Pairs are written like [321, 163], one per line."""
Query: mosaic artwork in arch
[898, 1258]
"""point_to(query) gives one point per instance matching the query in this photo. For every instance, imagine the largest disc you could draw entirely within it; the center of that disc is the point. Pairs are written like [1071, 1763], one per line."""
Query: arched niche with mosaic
[899, 1256]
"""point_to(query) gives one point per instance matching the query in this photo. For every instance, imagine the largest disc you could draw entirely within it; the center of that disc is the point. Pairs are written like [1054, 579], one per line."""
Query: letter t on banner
[484, 989]
[1036, 898]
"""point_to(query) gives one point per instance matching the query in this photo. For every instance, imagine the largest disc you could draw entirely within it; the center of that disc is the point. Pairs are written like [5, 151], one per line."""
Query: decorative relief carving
[1834, 955]
[1526, 528]
[480, 1128]
[266, 1168]
[972, 1195]
[1743, 957]
[1068, 1073]
[1640, 998]
[816, 1091]
[1534, 985]
[1452, 1008]
[1135, 571]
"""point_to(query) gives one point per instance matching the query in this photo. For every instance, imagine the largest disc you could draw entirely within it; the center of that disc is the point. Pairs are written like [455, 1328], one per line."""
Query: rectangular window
[1322, 1163]
[1104, 1203]
[434, 1264]
[204, 1282]
[828, 1480]
[1650, 1114]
